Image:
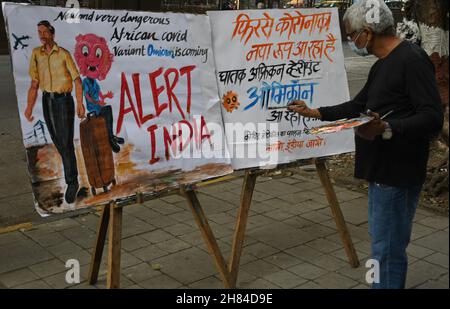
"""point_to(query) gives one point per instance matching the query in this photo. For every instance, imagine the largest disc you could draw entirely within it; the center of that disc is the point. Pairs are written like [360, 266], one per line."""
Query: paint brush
[387, 114]
[276, 107]
[381, 118]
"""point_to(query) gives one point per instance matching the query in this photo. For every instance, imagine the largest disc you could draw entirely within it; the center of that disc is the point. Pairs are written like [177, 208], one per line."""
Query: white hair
[374, 14]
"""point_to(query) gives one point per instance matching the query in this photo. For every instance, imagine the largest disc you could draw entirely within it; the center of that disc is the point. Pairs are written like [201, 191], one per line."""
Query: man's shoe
[71, 192]
[119, 140]
[114, 146]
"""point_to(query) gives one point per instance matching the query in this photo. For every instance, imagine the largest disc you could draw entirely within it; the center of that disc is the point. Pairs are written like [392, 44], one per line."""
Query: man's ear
[369, 34]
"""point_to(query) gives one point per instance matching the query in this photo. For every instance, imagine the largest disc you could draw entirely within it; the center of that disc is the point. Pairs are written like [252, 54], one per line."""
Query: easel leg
[114, 246]
[208, 236]
[99, 244]
[241, 223]
[337, 213]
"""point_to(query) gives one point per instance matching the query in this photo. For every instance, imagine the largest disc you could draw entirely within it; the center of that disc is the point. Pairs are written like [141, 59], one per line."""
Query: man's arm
[31, 100]
[350, 109]
[79, 97]
[73, 71]
[423, 93]
[34, 87]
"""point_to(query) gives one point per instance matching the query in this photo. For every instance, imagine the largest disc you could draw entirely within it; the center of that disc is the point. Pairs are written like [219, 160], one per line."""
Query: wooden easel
[248, 187]
[111, 218]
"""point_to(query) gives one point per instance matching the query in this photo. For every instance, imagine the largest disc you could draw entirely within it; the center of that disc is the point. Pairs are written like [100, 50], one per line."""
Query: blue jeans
[391, 212]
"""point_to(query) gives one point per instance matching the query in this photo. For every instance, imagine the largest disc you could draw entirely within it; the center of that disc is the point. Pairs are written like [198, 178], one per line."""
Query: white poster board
[264, 60]
[156, 73]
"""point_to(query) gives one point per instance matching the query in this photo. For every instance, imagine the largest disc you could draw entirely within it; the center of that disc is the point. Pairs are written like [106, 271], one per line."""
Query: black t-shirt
[404, 82]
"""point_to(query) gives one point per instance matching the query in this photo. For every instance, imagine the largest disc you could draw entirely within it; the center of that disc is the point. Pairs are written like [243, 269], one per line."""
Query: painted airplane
[18, 41]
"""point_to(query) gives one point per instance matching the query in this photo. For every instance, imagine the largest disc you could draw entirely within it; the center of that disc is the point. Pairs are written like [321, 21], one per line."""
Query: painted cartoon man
[94, 59]
[53, 70]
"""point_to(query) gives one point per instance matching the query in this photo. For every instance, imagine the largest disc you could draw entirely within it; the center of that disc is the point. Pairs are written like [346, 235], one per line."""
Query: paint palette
[340, 125]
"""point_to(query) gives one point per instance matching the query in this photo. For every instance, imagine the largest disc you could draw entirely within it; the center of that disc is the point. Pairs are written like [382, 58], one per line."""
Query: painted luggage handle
[91, 114]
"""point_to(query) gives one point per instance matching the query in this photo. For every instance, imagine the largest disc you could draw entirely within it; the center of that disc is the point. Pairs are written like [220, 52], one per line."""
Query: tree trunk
[433, 19]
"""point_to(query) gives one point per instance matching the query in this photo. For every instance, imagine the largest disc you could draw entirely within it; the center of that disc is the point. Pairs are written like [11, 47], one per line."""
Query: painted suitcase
[97, 152]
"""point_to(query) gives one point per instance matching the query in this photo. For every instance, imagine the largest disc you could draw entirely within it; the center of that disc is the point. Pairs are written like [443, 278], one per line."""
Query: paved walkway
[291, 242]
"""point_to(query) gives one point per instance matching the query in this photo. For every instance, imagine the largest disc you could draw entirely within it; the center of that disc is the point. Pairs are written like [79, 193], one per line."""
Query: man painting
[54, 72]
[391, 152]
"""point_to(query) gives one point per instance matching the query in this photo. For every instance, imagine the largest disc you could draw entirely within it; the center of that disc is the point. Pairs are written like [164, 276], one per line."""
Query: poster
[114, 102]
[264, 60]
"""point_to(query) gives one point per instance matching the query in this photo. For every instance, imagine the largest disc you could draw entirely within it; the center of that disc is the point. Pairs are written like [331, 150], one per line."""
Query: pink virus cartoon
[94, 61]
[93, 56]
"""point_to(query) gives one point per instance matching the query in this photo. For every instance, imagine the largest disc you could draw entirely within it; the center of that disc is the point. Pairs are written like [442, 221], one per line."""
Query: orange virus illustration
[230, 101]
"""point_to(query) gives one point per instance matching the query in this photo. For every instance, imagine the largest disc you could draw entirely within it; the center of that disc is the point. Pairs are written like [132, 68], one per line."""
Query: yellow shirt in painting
[55, 72]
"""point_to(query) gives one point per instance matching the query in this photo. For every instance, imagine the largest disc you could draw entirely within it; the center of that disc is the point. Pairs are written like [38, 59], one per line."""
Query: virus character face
[230, 101]
[93, 56]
